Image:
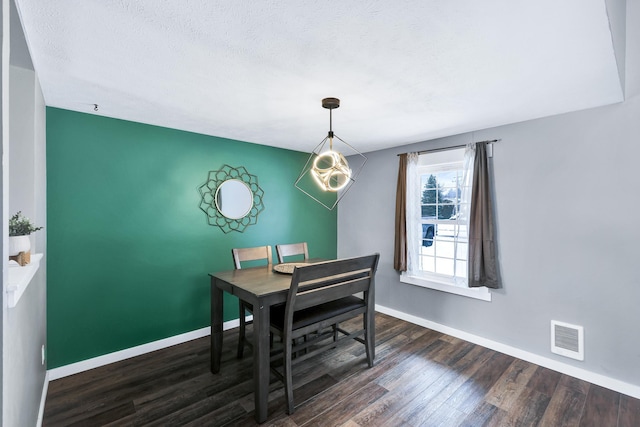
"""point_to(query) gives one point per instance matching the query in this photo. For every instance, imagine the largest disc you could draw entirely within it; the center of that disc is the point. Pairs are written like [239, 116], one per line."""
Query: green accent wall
[129, 250]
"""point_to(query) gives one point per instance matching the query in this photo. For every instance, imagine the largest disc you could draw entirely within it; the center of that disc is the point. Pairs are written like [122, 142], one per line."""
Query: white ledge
[481, 293]
[19, 279]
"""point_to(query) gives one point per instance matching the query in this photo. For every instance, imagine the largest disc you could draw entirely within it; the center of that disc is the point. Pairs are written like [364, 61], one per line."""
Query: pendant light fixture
[328, 175]
[330, 168]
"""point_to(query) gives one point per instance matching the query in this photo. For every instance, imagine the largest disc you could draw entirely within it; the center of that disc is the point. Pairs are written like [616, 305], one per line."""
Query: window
[443, 248]
[439, 259]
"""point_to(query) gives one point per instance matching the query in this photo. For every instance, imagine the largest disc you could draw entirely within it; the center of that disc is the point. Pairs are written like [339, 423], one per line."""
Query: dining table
[262, 287]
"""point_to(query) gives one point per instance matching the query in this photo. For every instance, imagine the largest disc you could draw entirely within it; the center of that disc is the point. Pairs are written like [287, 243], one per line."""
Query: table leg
[261, 369]
[216, 326]
[370, 327]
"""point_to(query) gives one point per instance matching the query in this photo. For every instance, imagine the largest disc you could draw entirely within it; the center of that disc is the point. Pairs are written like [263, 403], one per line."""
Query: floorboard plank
[472, 392]
[629, 414]
[419, 409]
[100, 416]
[528, 409]
[354, 403]
[564, 409]
[480, 416]
[600, 408]
[575, 384]
[544, 381]
[411, 383]
[510, 385]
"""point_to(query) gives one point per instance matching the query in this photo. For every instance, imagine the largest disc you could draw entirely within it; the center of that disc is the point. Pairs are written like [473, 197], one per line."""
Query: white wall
[21, 146]
[24, 188]
[566, 200]
[4, 173]
[25, 324]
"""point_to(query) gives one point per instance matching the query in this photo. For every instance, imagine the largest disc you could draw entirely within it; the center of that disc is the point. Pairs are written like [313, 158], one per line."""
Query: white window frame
[433, 163]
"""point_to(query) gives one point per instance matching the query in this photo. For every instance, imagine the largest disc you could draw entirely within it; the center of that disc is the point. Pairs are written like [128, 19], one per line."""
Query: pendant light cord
[331, 129]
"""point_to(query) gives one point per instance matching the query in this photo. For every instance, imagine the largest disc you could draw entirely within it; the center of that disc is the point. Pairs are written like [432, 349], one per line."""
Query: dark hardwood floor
[421, 378]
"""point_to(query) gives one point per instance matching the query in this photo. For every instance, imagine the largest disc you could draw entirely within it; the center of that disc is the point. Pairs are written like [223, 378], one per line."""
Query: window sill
[19, 279]
[476, 293]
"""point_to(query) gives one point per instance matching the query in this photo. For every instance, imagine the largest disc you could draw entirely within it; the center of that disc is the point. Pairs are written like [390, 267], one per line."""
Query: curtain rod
[434, 150]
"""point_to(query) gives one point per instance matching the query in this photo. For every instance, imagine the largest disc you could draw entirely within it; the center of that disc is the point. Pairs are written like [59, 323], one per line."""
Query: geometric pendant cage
[332, 167]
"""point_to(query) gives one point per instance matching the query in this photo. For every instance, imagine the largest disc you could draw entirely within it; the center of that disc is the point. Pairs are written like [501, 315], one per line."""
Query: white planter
[18, 244]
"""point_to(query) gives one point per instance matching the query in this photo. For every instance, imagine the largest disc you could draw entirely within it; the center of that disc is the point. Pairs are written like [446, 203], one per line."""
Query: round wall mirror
[231, 198]
[234, 199]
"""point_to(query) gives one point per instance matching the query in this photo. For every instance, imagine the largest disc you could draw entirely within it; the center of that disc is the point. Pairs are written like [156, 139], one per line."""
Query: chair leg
[369, 338]
[288, 380]
[242, 328]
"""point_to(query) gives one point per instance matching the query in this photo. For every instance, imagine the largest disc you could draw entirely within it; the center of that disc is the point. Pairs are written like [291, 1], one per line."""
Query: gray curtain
[400, 250]
[483, 267]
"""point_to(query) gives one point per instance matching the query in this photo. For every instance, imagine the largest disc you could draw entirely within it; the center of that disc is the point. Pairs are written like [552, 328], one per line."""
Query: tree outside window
[439, 201]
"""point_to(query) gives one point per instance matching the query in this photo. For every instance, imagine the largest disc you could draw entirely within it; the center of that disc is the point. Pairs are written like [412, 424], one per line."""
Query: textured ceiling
[405, 71]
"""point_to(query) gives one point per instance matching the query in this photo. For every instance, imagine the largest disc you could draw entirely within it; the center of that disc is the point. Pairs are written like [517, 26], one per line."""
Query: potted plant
[20, 227]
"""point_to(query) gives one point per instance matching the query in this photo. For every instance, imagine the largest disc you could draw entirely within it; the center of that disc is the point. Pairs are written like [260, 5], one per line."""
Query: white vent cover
[567, 340]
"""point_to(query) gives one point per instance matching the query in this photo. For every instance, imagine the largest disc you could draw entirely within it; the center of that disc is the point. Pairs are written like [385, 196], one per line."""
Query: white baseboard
[43, 399]
[592, 377]
[85, 365]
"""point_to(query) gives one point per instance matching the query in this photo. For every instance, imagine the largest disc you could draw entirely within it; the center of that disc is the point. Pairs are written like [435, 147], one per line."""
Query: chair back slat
[316, 296]
[251, 254]
[291, 250]
[327, 269]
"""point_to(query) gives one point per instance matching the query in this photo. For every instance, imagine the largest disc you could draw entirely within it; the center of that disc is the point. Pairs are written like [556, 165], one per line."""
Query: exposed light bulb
[331, 171]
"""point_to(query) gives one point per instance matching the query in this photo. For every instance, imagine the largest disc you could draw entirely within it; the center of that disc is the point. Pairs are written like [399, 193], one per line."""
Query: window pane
[428, 211]
[428, 231]
[446, 230]
[445, 249]
[444, 266]
[427, 250]
[446, 211]
[427, 263]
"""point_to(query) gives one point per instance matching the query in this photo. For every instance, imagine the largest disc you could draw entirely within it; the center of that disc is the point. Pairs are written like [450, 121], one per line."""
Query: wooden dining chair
[322, 295]
[292, 249]
[241, 255]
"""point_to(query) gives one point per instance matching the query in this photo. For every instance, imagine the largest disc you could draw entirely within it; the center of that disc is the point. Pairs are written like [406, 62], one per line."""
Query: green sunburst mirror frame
[231, 198]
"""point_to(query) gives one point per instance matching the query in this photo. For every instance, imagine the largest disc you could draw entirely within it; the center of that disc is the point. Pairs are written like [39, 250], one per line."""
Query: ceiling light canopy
[327, 175]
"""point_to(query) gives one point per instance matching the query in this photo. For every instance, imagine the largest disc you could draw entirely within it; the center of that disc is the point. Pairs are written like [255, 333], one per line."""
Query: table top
[259, 281]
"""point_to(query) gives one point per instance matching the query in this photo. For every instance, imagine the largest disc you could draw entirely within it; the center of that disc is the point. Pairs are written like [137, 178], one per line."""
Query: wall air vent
[567, 340]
